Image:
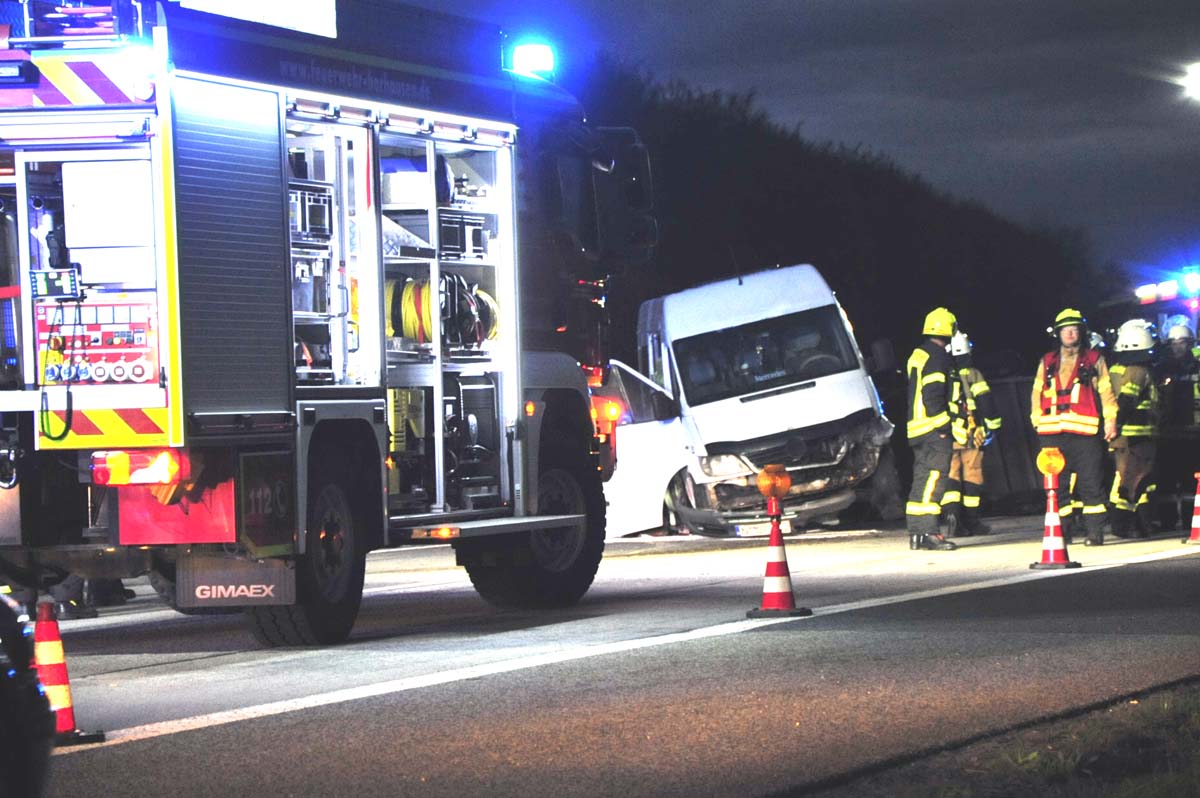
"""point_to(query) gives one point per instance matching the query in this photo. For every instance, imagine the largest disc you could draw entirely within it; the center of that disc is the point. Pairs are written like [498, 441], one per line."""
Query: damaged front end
[827, 463]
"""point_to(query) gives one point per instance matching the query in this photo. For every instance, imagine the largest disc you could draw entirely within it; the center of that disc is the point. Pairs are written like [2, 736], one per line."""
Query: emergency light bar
[1186, 284]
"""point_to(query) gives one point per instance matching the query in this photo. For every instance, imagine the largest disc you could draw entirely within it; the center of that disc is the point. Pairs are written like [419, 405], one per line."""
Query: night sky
[1051, 112]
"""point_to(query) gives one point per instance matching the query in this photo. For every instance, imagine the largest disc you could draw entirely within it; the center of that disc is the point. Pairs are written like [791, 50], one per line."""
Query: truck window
[764, 354]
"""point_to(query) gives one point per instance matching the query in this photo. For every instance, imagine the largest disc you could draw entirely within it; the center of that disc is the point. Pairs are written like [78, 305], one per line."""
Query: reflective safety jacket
[1071, 393]
[1137, 400]
[977, 410]
[1179, 387]
[929, 371]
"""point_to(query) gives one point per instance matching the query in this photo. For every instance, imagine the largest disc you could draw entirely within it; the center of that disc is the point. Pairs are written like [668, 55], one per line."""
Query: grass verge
[1148, 747]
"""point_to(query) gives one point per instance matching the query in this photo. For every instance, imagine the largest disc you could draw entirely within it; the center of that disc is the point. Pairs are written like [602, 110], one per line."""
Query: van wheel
[676, 496]
[884, 492]
[329, 577]
[552, 567]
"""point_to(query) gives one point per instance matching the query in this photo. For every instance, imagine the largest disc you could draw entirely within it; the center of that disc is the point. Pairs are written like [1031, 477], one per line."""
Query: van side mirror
[627, 229]
[882, 359]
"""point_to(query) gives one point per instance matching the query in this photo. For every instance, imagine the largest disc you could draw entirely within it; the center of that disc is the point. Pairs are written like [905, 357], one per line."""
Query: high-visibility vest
[922, 374]
[1073, 407]
[1140, 423]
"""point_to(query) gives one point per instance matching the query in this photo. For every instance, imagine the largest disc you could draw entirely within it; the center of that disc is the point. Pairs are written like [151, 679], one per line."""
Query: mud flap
[215, 580]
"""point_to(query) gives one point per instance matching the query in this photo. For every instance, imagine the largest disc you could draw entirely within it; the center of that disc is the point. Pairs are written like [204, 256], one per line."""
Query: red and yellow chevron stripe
[81, 79]
[91, 429]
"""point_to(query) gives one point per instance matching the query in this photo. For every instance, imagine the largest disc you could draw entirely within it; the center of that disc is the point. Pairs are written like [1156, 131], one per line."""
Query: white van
[735, 375]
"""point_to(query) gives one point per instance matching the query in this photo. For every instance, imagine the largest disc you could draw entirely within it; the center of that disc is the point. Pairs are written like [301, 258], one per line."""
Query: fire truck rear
[271, 292]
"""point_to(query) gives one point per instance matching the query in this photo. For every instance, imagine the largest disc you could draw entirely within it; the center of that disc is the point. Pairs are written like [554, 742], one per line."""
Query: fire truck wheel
[329, 577]
[553, 567]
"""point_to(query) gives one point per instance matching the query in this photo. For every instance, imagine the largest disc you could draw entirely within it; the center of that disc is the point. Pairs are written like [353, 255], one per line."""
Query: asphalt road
[655, 684]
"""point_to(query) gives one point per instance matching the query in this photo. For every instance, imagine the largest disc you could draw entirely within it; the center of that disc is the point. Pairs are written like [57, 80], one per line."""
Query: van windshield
[764, 354]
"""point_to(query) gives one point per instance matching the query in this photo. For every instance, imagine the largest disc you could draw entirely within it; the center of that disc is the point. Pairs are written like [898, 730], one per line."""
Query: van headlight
[724, 465]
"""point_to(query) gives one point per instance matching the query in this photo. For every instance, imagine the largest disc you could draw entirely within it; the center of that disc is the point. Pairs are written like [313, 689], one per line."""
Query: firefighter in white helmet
[1179, 424]
[1137, 421]
[974, 419]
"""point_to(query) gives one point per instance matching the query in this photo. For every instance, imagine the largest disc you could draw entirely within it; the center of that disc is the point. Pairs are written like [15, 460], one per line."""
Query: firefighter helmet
[1134, 335]
[960, 344]
[940, 323]
[1069, 317]
[1180, 332]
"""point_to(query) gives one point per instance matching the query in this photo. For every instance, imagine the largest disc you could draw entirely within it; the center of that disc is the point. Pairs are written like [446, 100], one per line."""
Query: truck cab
[732, 376]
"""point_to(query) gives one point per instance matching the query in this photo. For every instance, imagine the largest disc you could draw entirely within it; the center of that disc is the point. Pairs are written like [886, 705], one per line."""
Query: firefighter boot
[954, 525]
[1094, 523]
[1068, 528]
[936, 542]
[973, 524]
[1144, 516]
[1122, 522]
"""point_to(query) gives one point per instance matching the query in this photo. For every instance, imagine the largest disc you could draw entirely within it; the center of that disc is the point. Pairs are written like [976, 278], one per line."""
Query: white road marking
[195, 723]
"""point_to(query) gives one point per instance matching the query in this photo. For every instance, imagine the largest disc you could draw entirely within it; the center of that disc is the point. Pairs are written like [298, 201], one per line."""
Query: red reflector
[140, 467]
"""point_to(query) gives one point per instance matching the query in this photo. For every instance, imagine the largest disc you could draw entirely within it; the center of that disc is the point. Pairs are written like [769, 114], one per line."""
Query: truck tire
[552, 567]
[329, 577]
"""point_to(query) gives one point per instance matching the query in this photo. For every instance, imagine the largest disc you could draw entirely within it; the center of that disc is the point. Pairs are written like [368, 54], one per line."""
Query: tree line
[736, 191]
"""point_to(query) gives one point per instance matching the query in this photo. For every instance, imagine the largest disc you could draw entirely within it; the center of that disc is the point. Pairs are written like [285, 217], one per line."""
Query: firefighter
[974, 419]
[1179, 443]
[1134, 446]
[929, 372]
[1074, 410]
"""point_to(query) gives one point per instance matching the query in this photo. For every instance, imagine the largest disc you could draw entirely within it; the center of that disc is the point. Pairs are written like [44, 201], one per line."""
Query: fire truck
[280, 291]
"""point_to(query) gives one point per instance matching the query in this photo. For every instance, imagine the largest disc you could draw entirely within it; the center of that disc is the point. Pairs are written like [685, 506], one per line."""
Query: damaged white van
[735, 375]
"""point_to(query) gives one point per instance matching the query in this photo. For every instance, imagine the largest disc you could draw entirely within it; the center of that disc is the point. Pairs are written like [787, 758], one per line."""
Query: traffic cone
[777, 597]
[1054, 545]
[1195, 537]
[51, 664]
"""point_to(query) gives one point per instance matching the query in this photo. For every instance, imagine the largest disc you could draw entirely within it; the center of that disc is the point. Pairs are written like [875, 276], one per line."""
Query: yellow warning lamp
[1051, 462]
[774, 481]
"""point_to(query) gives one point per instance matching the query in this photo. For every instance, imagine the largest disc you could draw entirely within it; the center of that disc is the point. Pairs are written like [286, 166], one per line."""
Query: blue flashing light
[533, 59]
[1191, 283]
[1168, 289]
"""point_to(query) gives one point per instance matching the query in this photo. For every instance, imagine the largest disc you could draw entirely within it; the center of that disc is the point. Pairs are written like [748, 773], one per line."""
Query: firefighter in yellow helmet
[1075, 411]
[929, 372]
[974, 419]
[1137, 418]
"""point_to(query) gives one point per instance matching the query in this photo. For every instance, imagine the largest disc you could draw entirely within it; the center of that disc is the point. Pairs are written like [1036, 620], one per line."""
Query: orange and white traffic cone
[51, 664]
[1054, 545]
[1195, 536]
[777, 597]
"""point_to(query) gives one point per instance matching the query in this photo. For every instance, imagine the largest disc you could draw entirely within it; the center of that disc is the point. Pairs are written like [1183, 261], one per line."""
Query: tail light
[140, 467]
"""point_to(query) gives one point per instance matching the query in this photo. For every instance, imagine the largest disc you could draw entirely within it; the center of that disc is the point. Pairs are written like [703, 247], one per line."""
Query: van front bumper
[713, 524]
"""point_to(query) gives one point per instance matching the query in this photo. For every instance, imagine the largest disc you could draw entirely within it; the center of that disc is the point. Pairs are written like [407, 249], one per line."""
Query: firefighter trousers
[931, 464]
[1085, 463]
[964, 485]
[1133, 483]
